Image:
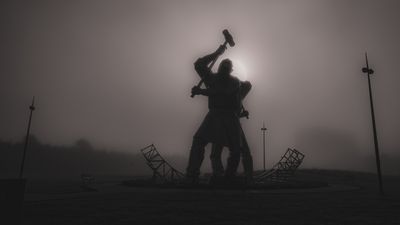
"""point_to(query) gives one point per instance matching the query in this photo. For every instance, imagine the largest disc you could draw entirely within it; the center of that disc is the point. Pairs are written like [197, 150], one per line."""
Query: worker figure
[221, 124]
[216, 150]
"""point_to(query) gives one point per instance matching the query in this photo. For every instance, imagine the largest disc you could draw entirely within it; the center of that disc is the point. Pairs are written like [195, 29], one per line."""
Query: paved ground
[115, 204]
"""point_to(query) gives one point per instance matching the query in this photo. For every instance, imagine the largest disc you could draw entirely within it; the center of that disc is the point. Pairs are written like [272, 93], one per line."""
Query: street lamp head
[367, 70]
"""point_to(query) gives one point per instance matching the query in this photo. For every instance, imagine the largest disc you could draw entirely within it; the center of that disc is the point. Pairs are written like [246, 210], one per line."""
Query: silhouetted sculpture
[221, 124]
[247, 159]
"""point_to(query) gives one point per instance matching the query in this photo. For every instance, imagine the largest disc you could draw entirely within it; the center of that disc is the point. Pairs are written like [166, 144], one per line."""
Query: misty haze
[119, 74]
[112, 77]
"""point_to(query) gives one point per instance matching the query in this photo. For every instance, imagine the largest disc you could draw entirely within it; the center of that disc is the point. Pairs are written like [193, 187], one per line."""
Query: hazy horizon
[119, 73]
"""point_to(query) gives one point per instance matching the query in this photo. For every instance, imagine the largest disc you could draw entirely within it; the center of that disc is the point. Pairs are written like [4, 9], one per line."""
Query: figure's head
[225, 68]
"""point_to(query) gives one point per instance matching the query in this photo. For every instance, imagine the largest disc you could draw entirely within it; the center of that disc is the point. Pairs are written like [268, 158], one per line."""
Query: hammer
[228, 40]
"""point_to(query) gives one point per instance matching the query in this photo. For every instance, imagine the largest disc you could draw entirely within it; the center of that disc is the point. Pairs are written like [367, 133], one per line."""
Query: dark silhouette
[284, 169]
[163, 172]
[369, 72]
[46, 161]
[221, 125]
[84, 144]
[264, 129]
[31, 108]
[228, 40]
[247, 159]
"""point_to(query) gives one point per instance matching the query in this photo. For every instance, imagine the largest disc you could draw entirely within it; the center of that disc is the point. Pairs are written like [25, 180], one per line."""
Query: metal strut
[284, 169]
[162, 171]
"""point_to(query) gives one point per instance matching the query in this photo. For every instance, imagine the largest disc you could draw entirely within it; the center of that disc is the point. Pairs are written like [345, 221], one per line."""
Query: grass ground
[63, 203]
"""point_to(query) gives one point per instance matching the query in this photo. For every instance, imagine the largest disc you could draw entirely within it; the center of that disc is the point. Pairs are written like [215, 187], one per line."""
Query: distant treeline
[48, 161]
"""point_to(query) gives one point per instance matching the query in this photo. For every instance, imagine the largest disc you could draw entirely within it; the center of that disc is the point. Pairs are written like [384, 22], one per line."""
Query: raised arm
[202, 64]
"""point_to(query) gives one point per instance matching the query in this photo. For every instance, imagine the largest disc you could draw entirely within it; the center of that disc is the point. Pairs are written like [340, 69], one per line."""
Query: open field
[64, 203]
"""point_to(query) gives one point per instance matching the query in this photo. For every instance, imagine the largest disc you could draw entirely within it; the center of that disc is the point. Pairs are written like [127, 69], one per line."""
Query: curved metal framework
[162, 170]
[284, 169]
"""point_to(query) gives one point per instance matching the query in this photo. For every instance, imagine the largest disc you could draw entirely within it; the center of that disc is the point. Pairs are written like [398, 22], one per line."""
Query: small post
[31, 108]
[264, 130]
[369, 72]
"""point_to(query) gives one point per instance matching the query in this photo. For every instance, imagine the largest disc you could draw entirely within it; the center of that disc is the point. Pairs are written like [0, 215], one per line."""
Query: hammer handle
[209, 67]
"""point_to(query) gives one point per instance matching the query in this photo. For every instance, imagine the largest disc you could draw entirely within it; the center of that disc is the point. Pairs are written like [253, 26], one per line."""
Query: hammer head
[228, 38]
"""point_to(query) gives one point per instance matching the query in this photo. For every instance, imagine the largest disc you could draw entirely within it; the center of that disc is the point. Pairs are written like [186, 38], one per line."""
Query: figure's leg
[196, 158]
[233, 129]
[215, 157]
[247, 159]
[233, 159]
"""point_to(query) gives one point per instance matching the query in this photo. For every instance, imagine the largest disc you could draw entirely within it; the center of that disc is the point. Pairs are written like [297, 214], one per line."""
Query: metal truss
[284, 169]
[162, 170]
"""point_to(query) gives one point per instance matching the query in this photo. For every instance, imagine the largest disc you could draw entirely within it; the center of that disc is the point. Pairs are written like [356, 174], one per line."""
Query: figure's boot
[195, 160]
[247, 162]
[216, 162]
[233, 163]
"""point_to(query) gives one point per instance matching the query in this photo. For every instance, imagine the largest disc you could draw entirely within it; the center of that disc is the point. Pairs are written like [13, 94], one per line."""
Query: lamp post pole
[31, 108]
[369, 72]
[264, 130]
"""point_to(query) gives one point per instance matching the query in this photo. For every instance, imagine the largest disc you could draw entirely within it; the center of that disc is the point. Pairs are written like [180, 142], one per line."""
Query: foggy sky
[119, 73]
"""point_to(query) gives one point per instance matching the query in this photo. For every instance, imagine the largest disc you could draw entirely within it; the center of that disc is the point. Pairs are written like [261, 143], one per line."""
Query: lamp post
[369, 72]
[31, 108]
[263, 131]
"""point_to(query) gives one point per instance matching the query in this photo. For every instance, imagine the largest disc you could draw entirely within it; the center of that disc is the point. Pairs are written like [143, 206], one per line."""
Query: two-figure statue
[221, 126]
